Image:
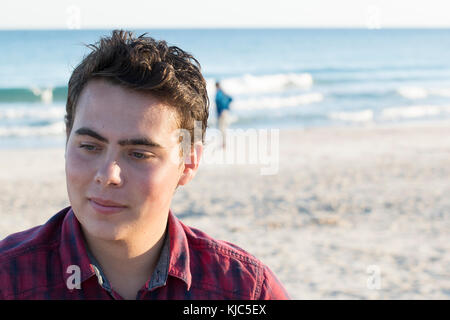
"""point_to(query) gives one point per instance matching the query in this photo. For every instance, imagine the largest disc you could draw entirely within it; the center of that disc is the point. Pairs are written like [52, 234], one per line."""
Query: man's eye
[139, 155]
[88, 147]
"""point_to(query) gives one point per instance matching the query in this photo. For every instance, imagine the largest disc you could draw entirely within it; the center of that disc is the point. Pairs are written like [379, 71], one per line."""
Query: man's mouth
[105, 206]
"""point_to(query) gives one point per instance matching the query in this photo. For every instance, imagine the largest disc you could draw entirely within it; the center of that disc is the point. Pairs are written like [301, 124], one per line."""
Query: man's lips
[105, 206]
[107, 203]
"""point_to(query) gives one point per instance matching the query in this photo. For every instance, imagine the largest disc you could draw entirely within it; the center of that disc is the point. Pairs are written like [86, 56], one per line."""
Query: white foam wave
[276, 102]
[411, 112]
[249, 84]
[45, 94]
[57, 128]
[51, 113]
[442, 92]
[356, 116]
[414, 93]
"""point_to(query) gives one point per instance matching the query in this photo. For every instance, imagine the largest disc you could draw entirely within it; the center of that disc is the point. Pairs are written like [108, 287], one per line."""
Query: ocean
[278, 78]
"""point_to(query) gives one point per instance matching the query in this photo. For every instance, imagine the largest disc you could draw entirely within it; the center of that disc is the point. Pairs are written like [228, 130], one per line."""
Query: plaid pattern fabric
[52, 262]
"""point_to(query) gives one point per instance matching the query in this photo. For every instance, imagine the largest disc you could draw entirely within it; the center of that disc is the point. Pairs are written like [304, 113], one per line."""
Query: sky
[107, 14]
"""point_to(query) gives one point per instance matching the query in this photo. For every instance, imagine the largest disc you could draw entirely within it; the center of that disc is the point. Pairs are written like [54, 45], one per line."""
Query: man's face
[120, 168]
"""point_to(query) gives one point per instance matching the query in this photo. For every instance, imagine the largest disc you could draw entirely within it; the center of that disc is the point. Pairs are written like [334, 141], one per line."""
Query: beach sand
[353, 213]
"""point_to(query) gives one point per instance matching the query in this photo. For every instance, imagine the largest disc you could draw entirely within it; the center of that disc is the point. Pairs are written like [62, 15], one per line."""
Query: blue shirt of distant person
[222, 100]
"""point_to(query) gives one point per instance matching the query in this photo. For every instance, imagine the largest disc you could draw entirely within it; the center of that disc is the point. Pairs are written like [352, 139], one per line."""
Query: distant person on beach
[223, 108]
[128, 100]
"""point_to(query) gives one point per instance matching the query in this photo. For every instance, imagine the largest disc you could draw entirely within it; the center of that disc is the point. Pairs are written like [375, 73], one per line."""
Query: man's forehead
[98, 91]
[109, 103]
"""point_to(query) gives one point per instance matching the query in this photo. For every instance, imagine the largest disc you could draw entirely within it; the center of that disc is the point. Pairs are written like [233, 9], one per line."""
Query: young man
[124, 160]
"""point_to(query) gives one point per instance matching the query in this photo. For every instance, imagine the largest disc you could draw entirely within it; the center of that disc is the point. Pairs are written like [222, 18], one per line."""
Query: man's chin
[104, 232]
[98, 227]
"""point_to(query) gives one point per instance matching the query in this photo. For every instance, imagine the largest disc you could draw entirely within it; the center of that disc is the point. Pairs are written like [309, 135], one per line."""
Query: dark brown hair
[144, 65]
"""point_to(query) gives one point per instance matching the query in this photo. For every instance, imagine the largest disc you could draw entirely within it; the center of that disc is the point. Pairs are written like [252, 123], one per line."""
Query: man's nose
[109, 173]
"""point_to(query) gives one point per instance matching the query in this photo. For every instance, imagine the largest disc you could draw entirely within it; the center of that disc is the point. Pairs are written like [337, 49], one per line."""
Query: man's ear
[191, 163]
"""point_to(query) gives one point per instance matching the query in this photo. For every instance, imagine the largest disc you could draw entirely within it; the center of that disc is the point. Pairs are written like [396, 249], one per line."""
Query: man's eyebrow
[89, 132]
[140, 142]
[126, 142]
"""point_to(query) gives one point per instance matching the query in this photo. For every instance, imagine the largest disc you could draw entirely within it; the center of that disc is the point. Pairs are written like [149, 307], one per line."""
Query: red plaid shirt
[45, 262]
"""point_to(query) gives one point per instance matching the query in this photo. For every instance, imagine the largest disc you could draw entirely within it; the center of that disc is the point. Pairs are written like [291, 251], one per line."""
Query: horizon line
[231, 28]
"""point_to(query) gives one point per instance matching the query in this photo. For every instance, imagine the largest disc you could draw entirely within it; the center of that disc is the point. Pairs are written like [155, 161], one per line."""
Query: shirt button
[99, 277]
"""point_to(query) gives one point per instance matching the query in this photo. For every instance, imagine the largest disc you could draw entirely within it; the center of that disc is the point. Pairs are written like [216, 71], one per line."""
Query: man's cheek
[76, 174]
[73, 172]
[153, 186]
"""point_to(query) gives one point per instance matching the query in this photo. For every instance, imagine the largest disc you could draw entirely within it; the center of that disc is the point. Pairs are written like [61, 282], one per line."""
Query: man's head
[144, 65]
[126, 100]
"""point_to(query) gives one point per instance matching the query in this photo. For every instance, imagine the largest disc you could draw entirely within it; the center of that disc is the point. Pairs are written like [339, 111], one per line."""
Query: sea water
[278, 78]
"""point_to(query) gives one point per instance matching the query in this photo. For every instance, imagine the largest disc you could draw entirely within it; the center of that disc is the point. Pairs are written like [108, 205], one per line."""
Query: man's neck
[127, 264]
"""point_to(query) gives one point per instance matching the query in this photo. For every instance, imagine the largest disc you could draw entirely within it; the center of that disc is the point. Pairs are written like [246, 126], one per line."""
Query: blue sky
[85, 14]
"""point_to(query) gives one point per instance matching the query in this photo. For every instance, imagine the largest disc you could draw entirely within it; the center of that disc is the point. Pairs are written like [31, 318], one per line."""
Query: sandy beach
[352, 213]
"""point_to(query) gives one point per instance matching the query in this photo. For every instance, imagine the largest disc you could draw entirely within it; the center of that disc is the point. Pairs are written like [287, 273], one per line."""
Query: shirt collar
[159, 276]
[179, 263]
[72, 249]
